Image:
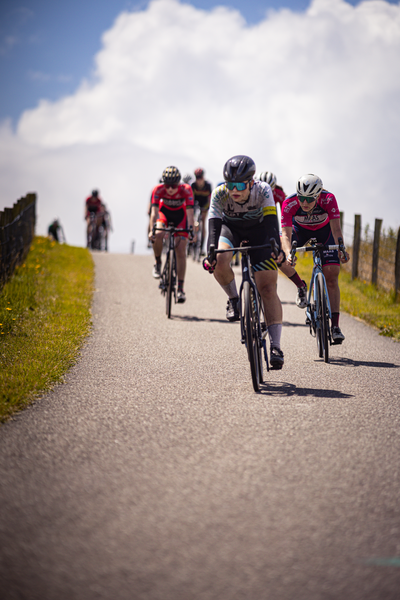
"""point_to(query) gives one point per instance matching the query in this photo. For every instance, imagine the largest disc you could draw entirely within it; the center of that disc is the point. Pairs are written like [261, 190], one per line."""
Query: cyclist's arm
[337, 233]
[190, 216]
[153, 216]
[271, 223]
[214, 230]
[336, 229]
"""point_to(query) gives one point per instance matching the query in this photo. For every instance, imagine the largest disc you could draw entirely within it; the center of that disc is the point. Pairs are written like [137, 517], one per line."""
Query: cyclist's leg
[266, 282]
[266, 277]
[180, 250]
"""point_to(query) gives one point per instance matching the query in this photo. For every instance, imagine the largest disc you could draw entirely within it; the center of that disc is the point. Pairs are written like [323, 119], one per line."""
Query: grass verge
[374, 306]
[44, 319]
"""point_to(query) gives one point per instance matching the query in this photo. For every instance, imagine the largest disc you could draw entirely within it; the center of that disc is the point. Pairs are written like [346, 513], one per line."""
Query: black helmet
[171, 175]
[239, 168]
[95, 193]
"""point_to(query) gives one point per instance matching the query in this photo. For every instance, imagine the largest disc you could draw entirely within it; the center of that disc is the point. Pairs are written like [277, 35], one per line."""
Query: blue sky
[106, 94]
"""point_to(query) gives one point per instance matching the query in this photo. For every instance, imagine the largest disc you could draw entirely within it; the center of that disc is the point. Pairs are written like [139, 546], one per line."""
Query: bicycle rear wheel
[251, 332]
[323, 325]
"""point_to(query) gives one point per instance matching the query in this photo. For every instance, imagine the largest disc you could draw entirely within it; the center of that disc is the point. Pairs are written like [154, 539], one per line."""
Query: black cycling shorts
[256, 235]
[323, 236]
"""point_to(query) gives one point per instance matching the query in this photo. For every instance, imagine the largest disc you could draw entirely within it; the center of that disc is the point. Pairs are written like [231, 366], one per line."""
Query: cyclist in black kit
[202, 194]
[244, 209]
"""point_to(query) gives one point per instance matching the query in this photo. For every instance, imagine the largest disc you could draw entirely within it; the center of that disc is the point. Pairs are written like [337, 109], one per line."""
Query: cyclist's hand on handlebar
[344, 256]
[209, 266]
[280, 258]
[277, 254]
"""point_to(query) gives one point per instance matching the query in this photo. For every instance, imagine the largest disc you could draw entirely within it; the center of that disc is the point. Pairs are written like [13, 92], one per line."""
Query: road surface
[156, 473]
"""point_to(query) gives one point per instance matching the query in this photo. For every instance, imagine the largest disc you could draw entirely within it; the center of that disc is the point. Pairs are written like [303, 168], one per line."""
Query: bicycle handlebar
[242, 248]
[172, 228]
[317, 247]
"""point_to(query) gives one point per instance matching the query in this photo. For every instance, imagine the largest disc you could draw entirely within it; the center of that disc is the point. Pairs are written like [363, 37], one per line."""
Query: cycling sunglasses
[240, 186]
[306, 199]
[171, 185]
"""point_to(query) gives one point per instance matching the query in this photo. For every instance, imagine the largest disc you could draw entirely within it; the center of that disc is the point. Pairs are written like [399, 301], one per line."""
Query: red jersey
[279, 195]
[183, 197]
[93, 204]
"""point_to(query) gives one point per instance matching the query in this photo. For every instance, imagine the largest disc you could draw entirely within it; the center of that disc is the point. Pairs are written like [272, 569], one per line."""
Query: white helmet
[268, 177]
[309, 185]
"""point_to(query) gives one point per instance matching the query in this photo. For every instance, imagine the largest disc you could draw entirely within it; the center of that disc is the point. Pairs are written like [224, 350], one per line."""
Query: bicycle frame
[318, 316]
[168, 276]
[253, 314]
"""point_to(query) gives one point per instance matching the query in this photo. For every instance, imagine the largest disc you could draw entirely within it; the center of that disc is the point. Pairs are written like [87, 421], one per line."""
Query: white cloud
[300, 92]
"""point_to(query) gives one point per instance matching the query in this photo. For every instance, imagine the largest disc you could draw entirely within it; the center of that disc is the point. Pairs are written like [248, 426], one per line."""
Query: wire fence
[374, 254]
[17, 229]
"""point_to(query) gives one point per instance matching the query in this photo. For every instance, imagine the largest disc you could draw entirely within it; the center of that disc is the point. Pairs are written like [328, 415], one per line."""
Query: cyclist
[106, 222]
[241, 209]
[202, 195]
[171, 202]
[312, 212]
[93, 204]
[56, 232]
[277, 190]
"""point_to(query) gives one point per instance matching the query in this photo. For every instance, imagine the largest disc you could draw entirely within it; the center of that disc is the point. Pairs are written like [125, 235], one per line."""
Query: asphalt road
[156, 473]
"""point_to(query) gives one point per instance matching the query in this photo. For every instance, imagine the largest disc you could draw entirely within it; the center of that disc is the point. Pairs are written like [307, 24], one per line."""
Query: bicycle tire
[251, 332]
[322, 338]
[171, 282]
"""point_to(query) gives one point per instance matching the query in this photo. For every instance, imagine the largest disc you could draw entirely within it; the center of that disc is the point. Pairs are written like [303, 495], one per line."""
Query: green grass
[44, 319]
[374, 306]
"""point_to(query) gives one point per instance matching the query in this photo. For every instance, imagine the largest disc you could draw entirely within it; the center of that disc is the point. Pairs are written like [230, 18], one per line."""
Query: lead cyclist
[244, 209]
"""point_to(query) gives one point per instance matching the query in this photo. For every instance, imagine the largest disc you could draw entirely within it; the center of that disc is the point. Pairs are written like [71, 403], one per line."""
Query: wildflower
[8, 308]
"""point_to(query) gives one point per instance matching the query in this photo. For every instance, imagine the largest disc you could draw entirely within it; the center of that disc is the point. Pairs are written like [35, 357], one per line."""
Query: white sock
[230, 289]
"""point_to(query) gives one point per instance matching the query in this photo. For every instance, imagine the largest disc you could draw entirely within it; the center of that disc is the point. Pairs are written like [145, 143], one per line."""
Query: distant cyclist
[106, 225]
[56, 232]
[279, 194]
[171, 202]
[202, 195]
[93, 204]
[244, 209]
[312, 212]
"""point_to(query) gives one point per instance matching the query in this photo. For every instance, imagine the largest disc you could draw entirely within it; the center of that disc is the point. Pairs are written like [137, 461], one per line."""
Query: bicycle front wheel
[251, 331]
[323, 322]
[171, 282]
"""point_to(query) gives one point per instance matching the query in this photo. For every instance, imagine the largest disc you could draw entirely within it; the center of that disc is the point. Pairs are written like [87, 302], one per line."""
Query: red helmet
[199, 173]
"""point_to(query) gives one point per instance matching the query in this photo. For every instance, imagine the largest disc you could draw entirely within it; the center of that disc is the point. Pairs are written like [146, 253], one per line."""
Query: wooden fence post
[397, 268]
[375, 251]
[356, 246]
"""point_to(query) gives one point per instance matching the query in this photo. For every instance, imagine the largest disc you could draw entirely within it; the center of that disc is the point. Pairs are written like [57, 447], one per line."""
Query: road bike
[96, 239]
[318, 310]
[168, 276]
[194, 247]
[253, 324]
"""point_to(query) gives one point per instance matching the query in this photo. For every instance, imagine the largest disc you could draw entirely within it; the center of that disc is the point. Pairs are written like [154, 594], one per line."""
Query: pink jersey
[324, 211]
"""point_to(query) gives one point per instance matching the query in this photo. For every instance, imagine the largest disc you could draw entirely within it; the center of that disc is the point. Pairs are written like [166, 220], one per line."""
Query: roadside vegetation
[363, 300]
[44, 319]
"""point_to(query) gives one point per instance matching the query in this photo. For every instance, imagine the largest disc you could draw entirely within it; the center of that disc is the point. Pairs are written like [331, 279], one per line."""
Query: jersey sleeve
[189, 195]
[330, 205]
[156, 196]
[289, 208]
[218, 201]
